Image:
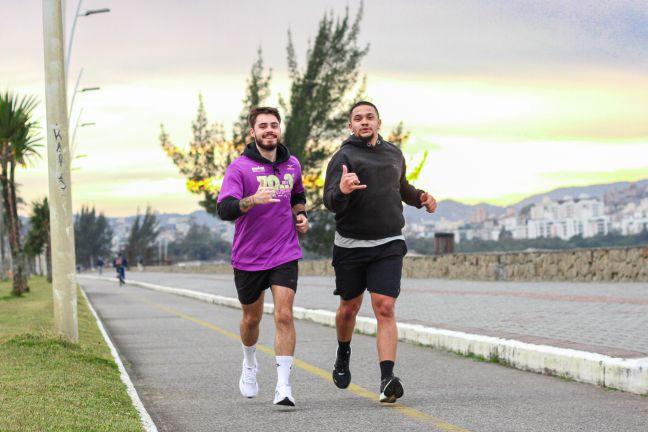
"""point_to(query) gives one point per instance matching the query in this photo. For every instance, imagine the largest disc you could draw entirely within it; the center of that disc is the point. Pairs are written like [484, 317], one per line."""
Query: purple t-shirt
[264, 237]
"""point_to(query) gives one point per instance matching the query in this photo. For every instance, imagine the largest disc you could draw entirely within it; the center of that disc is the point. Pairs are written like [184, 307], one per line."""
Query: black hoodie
[375, 212]
[229, 208]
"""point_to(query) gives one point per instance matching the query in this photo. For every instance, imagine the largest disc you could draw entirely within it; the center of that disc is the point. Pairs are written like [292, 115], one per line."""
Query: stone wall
[614, 264]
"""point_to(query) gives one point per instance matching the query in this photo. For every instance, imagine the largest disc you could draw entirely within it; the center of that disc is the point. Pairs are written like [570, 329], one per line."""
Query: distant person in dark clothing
[120, 263]
[100, 265]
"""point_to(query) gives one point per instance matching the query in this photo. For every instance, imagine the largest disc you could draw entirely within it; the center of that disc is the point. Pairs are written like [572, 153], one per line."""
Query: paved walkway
[184, 357]
[606, 318]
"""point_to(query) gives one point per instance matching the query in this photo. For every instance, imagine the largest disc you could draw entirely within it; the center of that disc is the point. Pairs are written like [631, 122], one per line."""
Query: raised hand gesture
[349, 181]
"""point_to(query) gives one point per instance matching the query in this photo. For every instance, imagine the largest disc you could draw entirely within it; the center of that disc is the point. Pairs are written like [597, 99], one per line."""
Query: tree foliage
[316, 112]
[200, 243]
[92, 236]
[210, 151]
[319, 240]
[142, 237]
[38, 239]
[18, 144]
[319, 103]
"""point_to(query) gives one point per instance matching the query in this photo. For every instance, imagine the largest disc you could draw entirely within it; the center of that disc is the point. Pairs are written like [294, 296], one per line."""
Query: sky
[510, 98]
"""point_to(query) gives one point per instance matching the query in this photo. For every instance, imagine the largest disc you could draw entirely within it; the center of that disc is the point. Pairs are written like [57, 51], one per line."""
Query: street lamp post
[60, 194]
[77, 125]
[76, 90]
[71, 38]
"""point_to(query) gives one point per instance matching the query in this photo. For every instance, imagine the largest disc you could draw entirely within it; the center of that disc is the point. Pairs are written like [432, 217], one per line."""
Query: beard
[268, 147]
[366, 138]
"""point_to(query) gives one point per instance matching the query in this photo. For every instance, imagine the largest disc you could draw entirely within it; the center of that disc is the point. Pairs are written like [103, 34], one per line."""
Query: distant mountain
[455, 210]
[595, 191]
[201, 217]
[448, 209]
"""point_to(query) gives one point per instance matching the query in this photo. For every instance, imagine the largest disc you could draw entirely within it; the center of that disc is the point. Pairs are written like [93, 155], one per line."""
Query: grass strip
[48, 384]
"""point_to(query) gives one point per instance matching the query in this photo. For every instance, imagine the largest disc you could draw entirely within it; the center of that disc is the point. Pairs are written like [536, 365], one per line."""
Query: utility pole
[58, 159]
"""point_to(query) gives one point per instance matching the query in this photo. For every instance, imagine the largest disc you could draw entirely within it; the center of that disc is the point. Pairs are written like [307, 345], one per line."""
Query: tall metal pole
[76, 89]
[69, 49]
[60, 194]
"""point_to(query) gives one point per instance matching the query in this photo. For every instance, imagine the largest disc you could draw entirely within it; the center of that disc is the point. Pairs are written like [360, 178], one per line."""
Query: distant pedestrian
[365, 187]
[100, 265]
[262, 191]
[120, 263]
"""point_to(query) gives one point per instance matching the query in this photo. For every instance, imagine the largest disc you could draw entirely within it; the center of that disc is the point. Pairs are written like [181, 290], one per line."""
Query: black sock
[386, 369]
[344, 350]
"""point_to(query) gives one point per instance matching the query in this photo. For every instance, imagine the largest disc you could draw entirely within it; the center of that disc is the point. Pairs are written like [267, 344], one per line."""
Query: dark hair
[359, 103]
[254, 113]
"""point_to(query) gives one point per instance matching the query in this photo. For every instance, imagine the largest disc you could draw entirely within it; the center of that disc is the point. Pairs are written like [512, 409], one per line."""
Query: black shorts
[250, 284]
[377, 269]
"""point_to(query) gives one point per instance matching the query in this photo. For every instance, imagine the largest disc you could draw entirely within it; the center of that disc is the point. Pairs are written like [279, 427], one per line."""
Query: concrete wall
[617, 264]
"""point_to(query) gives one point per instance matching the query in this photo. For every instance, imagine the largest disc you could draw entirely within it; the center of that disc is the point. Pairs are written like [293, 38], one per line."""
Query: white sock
[249, 355]
[284, 366]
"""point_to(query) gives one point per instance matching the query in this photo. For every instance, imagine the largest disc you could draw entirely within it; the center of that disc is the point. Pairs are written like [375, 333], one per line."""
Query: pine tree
[92, 236]
[210, 152]
[143, 234]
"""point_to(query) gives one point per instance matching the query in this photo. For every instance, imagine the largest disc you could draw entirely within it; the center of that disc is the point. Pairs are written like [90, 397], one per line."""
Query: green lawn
[47, 384]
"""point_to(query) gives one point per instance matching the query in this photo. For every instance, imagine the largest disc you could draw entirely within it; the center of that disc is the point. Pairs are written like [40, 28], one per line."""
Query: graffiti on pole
[58, 136]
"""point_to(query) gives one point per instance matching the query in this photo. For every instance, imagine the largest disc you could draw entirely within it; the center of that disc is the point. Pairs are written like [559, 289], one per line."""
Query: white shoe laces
[249, 375]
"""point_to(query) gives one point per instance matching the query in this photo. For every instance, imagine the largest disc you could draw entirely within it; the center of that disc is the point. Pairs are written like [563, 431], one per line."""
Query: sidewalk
[591, 332]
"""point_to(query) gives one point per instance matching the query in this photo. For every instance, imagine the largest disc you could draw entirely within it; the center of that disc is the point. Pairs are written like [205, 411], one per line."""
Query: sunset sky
[511, 98]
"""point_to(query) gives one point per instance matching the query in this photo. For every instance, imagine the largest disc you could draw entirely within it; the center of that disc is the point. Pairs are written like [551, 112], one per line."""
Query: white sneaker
[248, 383]
[283, 396]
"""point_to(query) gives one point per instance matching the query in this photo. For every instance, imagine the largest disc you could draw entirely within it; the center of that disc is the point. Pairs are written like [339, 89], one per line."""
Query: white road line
[145, 418]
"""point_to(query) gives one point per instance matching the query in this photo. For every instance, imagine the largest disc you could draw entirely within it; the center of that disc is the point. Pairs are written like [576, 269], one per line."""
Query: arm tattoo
[246, 204]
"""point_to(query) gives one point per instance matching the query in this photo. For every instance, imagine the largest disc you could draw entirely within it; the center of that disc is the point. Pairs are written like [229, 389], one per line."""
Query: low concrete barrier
[604, 264]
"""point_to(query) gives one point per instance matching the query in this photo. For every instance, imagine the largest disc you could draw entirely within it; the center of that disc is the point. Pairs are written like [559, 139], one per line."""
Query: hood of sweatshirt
[252, 152]
[355, 141]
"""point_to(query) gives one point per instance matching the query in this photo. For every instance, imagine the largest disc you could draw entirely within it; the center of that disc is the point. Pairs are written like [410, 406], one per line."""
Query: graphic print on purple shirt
[264, 237]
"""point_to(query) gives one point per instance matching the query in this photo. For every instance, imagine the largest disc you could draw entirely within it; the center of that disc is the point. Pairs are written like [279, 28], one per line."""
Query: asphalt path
[184, 358]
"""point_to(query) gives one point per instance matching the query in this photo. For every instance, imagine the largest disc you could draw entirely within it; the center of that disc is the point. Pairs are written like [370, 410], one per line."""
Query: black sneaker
[391, 389]
[341, 373]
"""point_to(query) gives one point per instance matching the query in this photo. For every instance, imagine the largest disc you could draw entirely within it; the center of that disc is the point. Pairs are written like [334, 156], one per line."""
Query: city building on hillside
[633, 218]
[569, 217]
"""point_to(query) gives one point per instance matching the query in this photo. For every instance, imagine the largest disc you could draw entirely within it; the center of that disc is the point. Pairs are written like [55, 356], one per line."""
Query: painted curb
[630, 375]
[145, 418]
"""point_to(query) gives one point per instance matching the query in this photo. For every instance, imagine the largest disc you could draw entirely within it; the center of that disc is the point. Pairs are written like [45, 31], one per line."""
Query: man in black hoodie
[365, 187]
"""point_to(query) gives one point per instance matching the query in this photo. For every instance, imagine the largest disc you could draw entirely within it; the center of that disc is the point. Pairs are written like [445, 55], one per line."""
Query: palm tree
[18, 143]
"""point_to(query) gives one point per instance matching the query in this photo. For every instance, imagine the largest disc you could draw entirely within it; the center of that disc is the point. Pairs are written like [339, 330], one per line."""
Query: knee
[384, 310]
[283, 317]
[251, 321]
[348, 311]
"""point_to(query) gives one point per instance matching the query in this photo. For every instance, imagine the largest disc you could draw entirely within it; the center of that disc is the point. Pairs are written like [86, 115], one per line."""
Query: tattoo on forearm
[246, 203]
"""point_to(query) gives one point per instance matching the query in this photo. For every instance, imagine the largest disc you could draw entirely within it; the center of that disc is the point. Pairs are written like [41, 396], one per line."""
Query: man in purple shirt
[263, 192]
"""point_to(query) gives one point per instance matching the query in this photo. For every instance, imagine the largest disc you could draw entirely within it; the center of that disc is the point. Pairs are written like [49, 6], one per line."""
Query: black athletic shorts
[250, 284]
[377, 269]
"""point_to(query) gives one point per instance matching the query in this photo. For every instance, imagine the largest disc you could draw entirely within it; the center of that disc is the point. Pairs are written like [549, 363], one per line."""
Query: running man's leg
[284, 342]
[383, 281]
[249, 327]
[283, 314]
[345, 318]
[384, 308]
